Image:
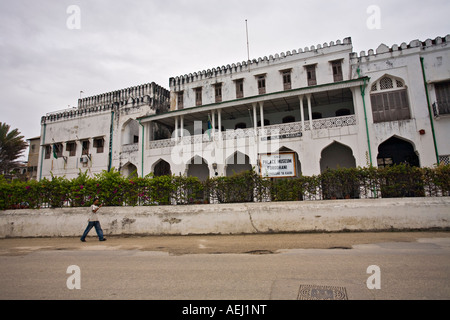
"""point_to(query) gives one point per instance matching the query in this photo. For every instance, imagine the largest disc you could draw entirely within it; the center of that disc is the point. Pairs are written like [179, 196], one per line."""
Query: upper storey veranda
[294, 69]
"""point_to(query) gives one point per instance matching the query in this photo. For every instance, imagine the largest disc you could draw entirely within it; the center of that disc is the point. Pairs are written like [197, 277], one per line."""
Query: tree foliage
[12, 146]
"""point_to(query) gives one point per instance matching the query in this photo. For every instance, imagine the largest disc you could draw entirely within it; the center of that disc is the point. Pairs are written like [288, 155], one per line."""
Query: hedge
[115, 190]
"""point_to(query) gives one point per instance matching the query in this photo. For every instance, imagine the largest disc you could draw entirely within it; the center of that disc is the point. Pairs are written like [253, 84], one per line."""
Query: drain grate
[312, 292]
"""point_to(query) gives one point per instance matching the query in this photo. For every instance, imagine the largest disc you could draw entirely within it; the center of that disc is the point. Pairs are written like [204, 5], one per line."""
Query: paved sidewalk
[214, 244]
[411, 265]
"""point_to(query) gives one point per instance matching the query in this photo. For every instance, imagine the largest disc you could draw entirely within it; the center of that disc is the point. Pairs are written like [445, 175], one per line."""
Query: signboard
[278, 165]
[282, 136]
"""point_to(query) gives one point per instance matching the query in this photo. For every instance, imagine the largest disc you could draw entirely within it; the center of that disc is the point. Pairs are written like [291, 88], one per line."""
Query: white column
[176, 128]
[219, 120]
[145, 135]
[256, 138]
[182, 126]
[310, 112]
[255, 122]
[213, 123]
[302, 115]
[150, 131]
[261, 112]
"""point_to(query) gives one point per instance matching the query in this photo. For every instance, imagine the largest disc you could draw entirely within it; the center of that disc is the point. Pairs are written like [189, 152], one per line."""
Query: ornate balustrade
[129, 148]
[336, 122]
[277, 129]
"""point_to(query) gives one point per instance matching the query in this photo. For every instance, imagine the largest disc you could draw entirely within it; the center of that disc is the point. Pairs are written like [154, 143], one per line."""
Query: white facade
[403, 64]
[101, 133]
[328, 106]
[263, 106]
[315, 102]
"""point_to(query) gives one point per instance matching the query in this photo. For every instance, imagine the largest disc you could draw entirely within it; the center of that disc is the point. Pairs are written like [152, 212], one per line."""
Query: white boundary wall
[238, 218]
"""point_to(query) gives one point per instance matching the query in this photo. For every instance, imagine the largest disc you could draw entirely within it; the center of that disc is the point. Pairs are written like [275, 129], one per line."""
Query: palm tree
[12, 146]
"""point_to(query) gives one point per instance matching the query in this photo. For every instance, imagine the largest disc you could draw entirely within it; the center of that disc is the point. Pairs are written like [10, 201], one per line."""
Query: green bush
[116, 190]
[245, 186]
[401, 181]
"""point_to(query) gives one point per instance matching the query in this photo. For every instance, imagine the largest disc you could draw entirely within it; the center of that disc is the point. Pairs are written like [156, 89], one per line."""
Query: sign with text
[277, 165]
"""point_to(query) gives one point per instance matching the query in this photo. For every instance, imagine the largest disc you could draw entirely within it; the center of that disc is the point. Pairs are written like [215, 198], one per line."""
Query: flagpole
[248, 45]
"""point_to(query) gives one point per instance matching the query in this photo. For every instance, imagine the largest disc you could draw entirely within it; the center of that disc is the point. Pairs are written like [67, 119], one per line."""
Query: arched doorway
[237, 163]
[198, 167]
[129, 170]
[335, 156]
[130, 132]
[396, 151]
[162, 168]
[408, 183]
[334, 184]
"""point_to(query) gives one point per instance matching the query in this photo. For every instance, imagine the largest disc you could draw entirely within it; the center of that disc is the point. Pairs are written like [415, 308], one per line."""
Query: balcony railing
[129, 148]
[277, 129]
[336, 122]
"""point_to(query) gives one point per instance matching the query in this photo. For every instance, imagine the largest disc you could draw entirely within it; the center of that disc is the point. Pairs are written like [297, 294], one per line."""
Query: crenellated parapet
[76, 113]
[124, 96]
[149, 94]
[404, 47]
[260, 62]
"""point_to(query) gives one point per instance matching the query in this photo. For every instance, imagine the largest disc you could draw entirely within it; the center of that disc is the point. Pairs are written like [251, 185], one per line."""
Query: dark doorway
[162, 168]
[405, 181]
[396, 151]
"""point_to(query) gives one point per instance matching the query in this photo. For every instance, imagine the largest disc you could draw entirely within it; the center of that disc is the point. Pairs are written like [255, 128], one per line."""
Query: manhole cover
[311, 292]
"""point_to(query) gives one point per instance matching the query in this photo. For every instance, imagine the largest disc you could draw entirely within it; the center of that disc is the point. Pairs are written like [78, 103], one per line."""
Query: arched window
[386, 83]
[389, 99]
[342, 112]
[130, 132]
[288, 119]
[316, 115]
[266, 123]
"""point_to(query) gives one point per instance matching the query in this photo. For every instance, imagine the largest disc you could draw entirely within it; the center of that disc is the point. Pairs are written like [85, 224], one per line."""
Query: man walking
[93, 222]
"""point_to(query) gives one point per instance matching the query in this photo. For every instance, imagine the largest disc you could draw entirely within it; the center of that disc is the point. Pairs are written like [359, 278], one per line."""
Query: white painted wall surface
[305, 216]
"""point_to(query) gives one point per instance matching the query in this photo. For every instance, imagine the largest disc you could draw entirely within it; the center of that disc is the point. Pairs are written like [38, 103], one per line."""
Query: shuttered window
[198, 96]
[239, 88]
[71, 146]
[443, 97]
[389, 99]
[390, 106]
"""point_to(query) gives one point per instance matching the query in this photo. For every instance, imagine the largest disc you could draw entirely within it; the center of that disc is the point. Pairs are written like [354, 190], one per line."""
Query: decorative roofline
[382, 48]
[242, 66]
[151, 94]
[123, 95]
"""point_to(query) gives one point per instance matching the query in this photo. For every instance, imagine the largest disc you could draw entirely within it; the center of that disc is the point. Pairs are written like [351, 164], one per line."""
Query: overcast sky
[47, 55]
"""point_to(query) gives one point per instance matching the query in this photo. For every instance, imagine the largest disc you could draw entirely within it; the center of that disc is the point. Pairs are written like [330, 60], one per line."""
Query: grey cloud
[44, 65]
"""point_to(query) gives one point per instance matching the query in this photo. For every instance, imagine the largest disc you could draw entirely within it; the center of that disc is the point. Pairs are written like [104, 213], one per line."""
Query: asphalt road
[403, 265]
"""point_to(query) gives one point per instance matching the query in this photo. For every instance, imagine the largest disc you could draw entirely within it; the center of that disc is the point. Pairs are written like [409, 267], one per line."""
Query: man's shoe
[104, 239]
[82, 240]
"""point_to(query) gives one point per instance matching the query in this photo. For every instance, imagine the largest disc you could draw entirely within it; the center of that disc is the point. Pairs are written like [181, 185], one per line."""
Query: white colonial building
[298, 112]
[101, 133]
[325, 104]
